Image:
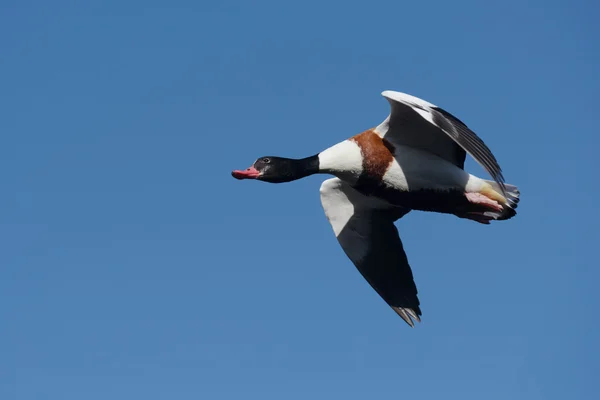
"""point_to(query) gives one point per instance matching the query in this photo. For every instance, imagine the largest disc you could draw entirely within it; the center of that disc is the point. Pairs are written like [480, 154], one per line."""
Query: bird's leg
[480, 199]
[480, 206]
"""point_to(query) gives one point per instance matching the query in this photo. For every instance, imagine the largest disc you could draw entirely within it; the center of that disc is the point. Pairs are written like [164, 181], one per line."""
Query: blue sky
[134, 266]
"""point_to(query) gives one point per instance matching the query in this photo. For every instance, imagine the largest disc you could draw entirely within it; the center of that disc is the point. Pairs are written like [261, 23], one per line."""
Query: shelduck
[413, 160]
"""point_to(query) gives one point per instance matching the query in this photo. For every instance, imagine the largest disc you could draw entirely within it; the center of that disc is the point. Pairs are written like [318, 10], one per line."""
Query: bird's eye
[266, 160]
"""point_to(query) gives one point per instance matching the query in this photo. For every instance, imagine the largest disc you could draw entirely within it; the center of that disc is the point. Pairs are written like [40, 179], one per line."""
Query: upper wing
[364, 227]
[418, 123]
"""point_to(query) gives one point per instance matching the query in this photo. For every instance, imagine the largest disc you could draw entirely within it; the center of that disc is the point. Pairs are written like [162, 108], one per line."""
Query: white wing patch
[406, 98]
[338, 208]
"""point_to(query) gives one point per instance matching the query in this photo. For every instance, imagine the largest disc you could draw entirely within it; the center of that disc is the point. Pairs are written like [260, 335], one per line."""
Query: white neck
[343, 160]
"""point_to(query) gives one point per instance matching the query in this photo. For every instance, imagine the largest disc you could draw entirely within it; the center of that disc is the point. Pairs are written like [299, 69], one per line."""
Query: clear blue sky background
[134, 267]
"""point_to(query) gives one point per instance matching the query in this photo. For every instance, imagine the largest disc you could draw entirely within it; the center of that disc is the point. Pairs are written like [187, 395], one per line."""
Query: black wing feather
[371, 241]
[470, 142]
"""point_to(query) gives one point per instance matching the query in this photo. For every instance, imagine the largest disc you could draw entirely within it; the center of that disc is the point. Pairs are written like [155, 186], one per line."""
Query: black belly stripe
[443, 201]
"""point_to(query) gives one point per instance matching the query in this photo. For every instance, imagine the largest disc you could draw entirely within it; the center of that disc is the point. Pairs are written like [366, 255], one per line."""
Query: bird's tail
[512, 193]
[490, 204]
[510, 203]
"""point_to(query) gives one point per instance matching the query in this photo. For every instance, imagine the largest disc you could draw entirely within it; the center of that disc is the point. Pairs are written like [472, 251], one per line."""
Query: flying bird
[413, 160]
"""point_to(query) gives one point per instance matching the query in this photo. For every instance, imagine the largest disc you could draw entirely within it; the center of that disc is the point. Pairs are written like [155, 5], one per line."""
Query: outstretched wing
[364, 227]
[418, 123]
